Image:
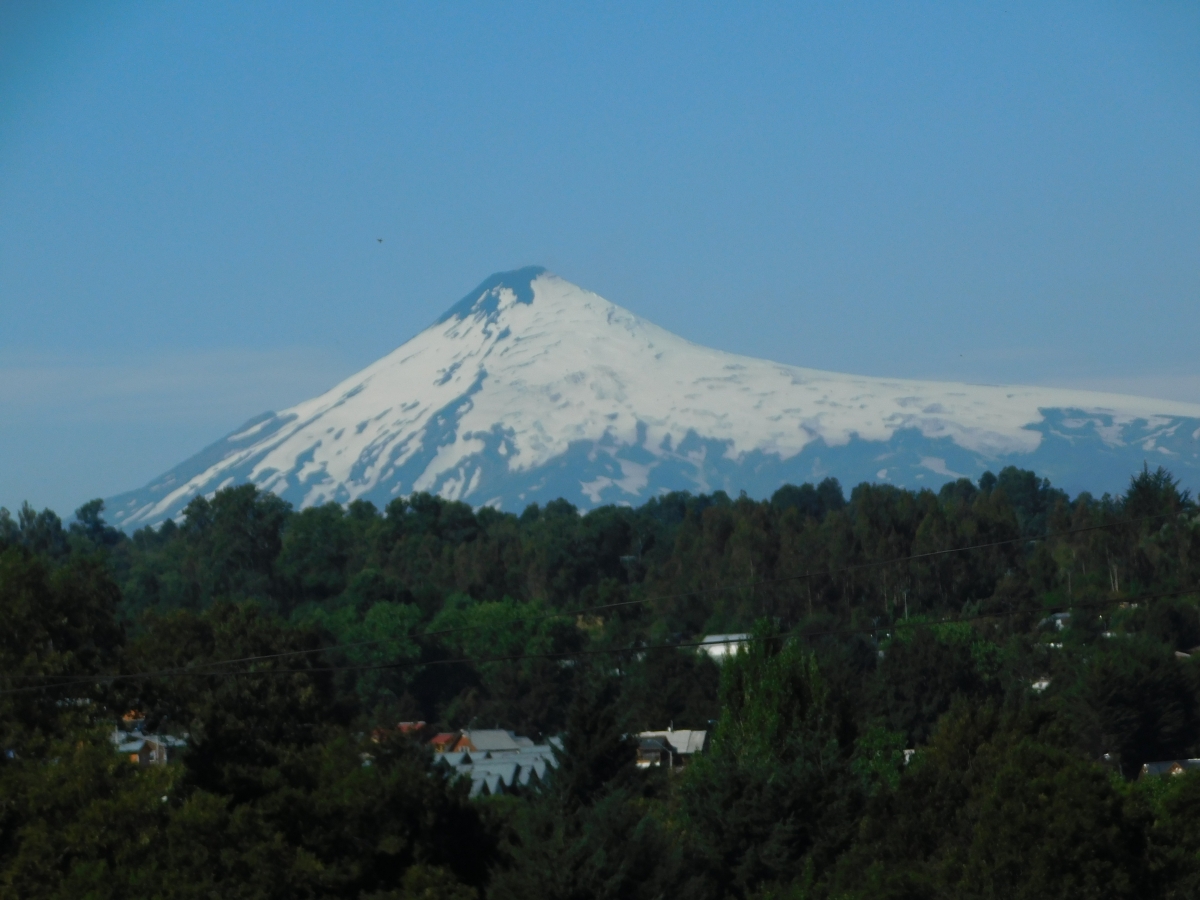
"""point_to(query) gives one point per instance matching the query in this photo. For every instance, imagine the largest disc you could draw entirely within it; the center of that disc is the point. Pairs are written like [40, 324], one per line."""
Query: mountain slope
[532, 388]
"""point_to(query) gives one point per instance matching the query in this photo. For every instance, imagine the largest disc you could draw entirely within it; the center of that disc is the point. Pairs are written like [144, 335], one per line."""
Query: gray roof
[131, 741]
[493, 739]
[541, 750]
[683, 741]
[507, 772]
[504, 770]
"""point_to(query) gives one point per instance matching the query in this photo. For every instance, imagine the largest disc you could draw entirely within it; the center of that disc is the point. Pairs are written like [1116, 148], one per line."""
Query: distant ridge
[531, 388]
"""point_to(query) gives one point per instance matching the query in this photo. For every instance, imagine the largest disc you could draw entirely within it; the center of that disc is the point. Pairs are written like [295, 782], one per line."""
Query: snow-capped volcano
[531, 388]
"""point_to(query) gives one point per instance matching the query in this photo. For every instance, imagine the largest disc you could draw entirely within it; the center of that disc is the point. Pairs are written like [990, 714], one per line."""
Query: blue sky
[191, 196]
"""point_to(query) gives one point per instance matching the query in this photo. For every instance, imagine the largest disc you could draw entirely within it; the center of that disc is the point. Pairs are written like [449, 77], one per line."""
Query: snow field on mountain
[532, 368]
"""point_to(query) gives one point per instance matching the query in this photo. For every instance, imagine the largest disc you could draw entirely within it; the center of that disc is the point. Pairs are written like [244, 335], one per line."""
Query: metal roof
[493, 739]
[495, 773]
[683, 741]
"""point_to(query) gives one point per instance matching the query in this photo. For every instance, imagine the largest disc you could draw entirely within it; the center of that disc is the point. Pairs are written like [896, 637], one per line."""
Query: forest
[944, 693]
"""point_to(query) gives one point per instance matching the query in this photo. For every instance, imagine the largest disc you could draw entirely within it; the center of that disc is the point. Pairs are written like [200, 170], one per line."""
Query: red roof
[446, 738]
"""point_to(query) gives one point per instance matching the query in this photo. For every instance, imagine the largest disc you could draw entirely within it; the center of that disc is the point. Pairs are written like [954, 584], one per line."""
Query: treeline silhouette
[909, 719]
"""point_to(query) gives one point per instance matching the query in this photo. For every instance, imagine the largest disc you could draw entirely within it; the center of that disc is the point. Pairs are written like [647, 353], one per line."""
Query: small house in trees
[653, 751]
[488, 740]
[146, 750]
[721, 646]
[505, 769]
[669, 748]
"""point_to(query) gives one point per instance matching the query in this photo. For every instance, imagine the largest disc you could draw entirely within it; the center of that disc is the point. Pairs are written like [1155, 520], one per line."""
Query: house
[147, 749]
[1170, 767]
[488, 740]
[669, 748]
[501, 771]
[720, 646]
[495, 760]
[653, 751]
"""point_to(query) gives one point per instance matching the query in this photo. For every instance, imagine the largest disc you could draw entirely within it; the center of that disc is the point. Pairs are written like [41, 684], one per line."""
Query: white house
[719, 646]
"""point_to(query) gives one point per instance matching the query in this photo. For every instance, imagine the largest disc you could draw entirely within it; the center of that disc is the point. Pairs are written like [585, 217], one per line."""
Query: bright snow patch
[507, 385]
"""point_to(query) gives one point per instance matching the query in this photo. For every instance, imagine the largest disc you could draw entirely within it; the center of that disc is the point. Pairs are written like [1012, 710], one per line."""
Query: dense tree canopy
[915, 714]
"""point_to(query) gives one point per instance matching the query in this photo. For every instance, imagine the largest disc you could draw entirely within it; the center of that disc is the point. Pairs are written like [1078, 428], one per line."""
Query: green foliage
[671, 687]
[286, 646]
[776, 790]
[1138, 702]
[38, 532]
[988, 810]
[1174, 837]
[523, 677]
[379, 643]
[879, 759]
[315, 552]
[79, 820]
[56, 624]
[1051, 825]
[589, 835]
[1032, 498]
[924, 671]
[808, 501]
